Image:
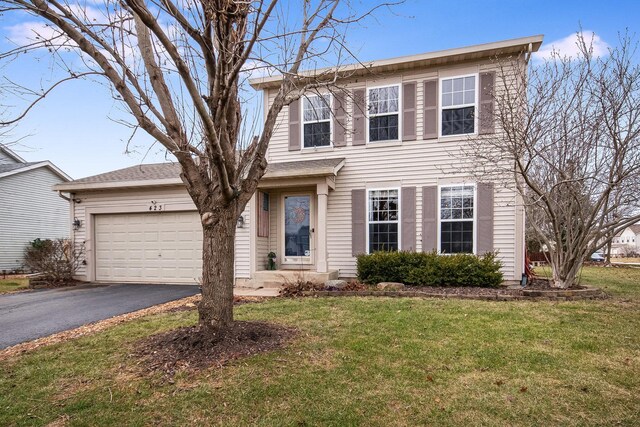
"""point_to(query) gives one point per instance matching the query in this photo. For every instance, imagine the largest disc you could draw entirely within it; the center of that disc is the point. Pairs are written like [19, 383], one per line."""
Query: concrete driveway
[29, 315]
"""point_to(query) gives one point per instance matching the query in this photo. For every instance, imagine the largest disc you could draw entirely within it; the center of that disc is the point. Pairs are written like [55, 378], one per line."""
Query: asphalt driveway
[29, 315]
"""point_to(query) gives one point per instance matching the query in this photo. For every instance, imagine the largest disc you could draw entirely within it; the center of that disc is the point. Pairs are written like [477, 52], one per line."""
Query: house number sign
[155, 206]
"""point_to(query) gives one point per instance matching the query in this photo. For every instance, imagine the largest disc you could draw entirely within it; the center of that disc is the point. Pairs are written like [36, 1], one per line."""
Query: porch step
[277, 278]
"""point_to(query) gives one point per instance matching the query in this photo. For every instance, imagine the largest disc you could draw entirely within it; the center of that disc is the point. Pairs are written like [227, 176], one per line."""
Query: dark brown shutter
[409, 111]
[359, 117]
[429, 218]
[485, 218]
[339, 114]
[294, 125]
[486, 118]
[430, 120]
[358, 222]
[263, 214]
[408, 215]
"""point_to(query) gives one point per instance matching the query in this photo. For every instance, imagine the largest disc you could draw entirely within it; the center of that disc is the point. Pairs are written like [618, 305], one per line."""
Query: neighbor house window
[383, 220]
[456, 219]
[458, 105]
[383, 113]
[316, 117]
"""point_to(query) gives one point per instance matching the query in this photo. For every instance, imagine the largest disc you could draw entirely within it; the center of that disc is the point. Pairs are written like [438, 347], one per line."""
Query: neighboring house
[626, 242]
[29, 209]
[372, 167]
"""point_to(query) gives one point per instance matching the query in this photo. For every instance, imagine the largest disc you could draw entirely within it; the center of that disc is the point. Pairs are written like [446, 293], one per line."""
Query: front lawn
[12, 284]
[358, 361]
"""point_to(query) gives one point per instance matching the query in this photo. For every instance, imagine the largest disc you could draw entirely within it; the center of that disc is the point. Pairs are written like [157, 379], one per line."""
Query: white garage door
[161, 247]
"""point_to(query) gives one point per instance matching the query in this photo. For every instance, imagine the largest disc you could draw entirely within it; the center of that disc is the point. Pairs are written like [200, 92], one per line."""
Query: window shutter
[294, 125]
[409, 111]
[486, 117]
[408, 215]
[359, 117]
[358, 222]
[429, 218]
[485, 218]
[263, 214]
[430, 119]
[339, 123]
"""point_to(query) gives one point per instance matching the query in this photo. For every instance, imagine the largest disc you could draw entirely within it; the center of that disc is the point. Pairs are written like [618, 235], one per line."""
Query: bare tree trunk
[218, 246]
[564, 273]
[607, 260]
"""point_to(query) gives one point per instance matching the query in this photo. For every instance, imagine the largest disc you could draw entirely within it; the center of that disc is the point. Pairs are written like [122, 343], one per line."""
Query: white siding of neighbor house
[29, 209]
[407, 164]
[138, 200]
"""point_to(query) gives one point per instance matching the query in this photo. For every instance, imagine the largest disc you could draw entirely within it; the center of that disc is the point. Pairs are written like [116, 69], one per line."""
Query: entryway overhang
[302, 173]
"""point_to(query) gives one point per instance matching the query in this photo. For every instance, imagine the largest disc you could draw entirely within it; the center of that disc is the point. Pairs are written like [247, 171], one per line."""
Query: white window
[457, 217]
[383, 220]
[384, 117]
[458, 105]
[316, 119]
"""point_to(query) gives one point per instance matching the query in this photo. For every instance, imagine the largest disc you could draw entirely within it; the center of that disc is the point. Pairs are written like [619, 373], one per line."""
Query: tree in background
[178, 67]
[571, 136]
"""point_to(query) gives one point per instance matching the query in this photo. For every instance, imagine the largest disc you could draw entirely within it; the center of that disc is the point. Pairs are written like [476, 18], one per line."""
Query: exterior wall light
[76, 224]
[240, 223]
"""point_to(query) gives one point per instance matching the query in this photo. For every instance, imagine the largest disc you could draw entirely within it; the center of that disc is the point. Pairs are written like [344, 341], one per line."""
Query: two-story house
[372, 164]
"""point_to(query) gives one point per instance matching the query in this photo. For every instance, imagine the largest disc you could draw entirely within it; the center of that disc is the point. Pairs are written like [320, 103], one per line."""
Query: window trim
[399, 220]
[475, 215]
[368, 115]
[302, 121]
[476, 105]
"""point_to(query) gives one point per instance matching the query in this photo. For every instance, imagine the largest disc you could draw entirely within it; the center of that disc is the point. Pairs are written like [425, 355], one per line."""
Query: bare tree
[570, 133]
[178, 66]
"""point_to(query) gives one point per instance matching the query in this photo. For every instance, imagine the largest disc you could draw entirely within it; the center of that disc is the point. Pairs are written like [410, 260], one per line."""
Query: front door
[298, 229]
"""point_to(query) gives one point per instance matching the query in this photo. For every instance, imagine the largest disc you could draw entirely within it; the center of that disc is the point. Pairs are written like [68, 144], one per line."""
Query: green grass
[8, 285]
[359, 361]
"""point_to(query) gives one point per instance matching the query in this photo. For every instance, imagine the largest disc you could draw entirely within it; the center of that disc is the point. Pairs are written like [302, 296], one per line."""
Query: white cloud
[568, 46]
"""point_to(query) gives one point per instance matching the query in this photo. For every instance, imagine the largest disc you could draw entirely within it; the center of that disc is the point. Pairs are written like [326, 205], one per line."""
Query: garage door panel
[149, 247]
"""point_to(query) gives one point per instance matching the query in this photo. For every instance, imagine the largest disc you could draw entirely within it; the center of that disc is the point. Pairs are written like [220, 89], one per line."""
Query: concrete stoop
[277, 278]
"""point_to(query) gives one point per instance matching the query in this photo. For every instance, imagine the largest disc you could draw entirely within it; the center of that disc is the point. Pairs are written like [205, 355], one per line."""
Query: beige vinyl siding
[30, 209]
[173, 199]
[411, 163]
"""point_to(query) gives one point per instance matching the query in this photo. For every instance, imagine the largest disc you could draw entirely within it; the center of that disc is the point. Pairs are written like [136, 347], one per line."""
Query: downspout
[68, 199]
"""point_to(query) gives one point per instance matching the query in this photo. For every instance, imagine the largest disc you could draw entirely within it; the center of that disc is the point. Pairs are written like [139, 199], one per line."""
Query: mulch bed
[537, 289]
[192, 348]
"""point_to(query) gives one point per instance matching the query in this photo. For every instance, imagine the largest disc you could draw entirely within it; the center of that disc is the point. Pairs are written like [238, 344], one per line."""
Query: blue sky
[75, 128]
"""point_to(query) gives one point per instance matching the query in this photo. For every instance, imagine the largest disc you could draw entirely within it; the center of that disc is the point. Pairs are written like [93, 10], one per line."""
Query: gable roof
[11, 154]
[16, 168]
[441, 57]
[158, 174]
[635, 228]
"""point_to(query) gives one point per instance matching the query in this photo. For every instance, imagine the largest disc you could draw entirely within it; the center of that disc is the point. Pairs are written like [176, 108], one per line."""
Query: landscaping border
[587, 293]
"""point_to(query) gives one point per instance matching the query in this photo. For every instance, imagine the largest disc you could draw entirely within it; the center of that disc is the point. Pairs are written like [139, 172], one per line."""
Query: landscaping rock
[390, 286]
[335, 284]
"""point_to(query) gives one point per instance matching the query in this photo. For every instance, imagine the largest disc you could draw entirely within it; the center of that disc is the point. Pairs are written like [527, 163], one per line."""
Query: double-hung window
[384, 115]
[316, 118]
[457, 219]
[458, 105]
[383, 217]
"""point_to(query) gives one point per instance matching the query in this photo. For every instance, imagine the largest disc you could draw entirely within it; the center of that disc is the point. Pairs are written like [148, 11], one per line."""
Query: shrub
[56, 259]
[430, 269]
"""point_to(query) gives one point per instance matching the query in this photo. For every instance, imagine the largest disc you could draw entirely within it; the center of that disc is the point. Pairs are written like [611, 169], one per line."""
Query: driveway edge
[94, 327]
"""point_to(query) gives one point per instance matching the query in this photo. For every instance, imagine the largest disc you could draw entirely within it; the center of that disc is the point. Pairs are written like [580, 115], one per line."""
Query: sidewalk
[252, 292]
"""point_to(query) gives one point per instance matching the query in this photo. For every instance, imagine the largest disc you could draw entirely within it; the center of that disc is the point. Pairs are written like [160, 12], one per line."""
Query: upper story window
[457, 218]
[384, 115]
[316, 118]
[383, 220]
[458, 105]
